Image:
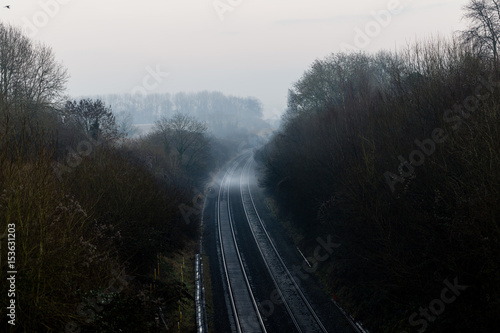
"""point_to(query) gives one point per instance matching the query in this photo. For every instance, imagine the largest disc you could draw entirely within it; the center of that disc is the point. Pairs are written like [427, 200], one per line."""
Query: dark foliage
[396, 157]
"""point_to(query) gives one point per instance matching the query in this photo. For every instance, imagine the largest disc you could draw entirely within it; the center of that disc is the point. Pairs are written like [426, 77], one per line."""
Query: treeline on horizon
[95, 212]
[224, 115]
[395, 155]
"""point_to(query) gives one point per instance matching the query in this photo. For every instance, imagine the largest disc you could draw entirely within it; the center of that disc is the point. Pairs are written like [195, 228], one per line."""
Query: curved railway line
[300, 310]
[243, 304]
[246, 315]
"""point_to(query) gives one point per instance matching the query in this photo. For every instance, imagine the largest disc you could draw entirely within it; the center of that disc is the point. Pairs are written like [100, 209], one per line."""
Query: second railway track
[298, 307]
[242, 302]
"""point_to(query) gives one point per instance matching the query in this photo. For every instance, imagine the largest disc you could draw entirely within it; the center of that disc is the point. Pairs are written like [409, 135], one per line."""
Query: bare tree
[125, 124]
[184, 131]
[92, 117]
[188, 137]
[29, 73]
[484, 26]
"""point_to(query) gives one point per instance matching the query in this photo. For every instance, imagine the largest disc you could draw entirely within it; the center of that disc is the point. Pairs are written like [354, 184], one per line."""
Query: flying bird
[8, 7]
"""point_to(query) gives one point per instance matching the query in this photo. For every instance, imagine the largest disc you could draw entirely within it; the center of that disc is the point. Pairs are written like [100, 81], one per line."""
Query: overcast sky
[239, 47]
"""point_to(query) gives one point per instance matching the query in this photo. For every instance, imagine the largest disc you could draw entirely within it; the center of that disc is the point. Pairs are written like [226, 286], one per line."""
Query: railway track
[298, 307]
[245, 313]
[243, 304]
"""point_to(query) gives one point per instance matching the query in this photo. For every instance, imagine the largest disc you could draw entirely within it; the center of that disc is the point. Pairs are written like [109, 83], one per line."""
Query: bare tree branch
[93, 118]
[483, 32]
[29, 73]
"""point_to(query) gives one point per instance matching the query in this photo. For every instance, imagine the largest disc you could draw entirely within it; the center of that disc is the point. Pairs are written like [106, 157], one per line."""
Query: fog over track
[261, 294]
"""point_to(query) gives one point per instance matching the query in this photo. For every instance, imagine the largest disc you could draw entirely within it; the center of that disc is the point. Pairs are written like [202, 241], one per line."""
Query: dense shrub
[91, 220]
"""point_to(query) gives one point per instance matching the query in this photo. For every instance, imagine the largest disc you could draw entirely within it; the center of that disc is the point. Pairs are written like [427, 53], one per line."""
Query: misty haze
[244, 166]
